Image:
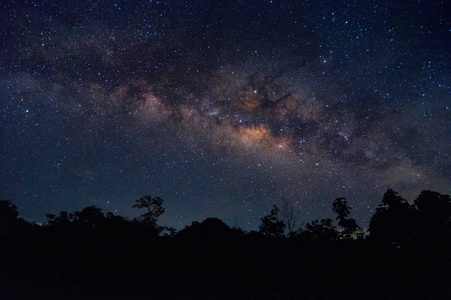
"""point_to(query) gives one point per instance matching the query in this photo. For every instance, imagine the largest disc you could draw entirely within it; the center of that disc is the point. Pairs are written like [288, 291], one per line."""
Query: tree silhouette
[209, 229]
[322, 230]
[64, 219]
[90, 216]
[290, 216]
[349, 225]
[114, 221]
[433, 216]
[168, 231]
[392, 199]
[391, 221]
[89, 248]
[271, 225]
[154, 207]
[9, 221]
[8, 212]
[341, 208]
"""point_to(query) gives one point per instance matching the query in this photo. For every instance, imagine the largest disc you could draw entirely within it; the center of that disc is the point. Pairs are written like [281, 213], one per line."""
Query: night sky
[223, 108]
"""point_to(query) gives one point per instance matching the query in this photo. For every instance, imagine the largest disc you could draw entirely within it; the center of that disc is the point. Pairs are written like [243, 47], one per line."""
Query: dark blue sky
[223, 108]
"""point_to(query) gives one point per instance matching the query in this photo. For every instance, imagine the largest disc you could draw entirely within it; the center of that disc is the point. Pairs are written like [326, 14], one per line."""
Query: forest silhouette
[404, 254]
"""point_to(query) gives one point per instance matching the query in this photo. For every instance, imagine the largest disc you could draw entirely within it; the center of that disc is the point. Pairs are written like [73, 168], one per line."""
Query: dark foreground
[220, 264]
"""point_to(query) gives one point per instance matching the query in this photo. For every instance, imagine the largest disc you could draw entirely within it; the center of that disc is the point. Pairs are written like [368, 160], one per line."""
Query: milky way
[223, 108]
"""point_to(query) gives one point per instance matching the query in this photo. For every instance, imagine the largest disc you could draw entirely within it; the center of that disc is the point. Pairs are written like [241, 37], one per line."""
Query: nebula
[222, 109]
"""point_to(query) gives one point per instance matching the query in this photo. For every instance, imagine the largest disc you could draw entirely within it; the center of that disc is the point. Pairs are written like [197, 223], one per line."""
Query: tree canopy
[271, 224]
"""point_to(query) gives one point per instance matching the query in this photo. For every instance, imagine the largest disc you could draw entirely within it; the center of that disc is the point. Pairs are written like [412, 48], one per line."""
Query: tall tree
[391, 222]
[271, 225]
[154, 209]
[10, 223]
[290, 216]
[341, 208]
[8, 218]
[8, 211]
[349, 225]
[432, 217]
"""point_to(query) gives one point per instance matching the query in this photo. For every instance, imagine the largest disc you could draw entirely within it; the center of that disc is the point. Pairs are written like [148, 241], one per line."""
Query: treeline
[405, 253]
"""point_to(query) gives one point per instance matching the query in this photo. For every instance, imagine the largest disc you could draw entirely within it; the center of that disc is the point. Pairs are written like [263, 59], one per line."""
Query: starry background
[223, 108]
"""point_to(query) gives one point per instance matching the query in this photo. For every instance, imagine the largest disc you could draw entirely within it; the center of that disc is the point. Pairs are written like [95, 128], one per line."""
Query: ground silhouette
[91, 254]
